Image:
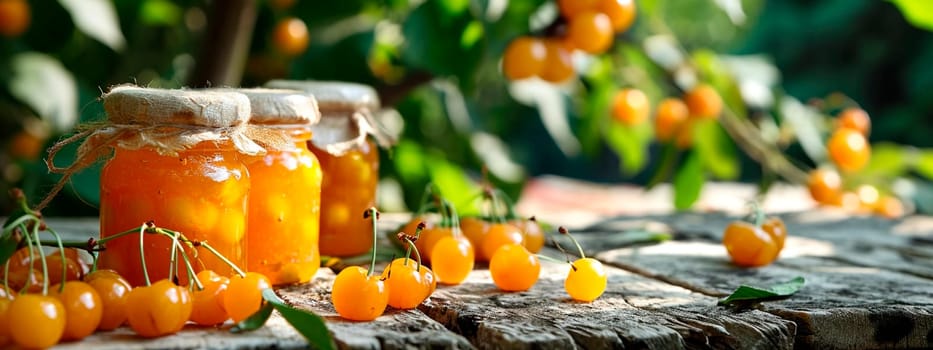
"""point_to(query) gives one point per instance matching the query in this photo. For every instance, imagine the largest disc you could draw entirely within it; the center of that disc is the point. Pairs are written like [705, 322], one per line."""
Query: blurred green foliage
[438, 60]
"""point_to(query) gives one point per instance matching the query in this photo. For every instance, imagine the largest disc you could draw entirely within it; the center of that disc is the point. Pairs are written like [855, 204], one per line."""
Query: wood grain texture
[841, 306]
[869, 285]
[635, 312]
[396, 329]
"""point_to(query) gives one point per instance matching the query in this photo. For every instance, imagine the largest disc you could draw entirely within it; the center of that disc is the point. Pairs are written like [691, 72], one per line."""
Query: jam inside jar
[284, 212]
[345, 141]
[202, 193]
[349, 189]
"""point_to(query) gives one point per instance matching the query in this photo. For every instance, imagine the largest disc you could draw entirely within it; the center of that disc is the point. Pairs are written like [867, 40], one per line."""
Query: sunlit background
[436, 65]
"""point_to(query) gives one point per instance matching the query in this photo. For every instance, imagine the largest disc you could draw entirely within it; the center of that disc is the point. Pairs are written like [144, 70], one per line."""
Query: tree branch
[225, 45]
[389, 95]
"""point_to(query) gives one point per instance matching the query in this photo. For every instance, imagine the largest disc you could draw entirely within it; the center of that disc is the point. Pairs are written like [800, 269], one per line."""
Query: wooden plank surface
[869, 285]
[635, 312]
[859, 276]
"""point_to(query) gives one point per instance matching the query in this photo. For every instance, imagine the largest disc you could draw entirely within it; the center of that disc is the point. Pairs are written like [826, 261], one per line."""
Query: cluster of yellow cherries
[360, 294]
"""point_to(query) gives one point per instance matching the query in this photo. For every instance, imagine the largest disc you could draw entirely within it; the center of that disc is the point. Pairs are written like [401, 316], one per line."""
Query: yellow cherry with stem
[357, 293]
[406, 279]
[586, 280]
[452, 257]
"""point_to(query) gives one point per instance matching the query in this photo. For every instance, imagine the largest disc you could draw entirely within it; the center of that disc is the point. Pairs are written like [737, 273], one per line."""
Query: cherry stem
[61, 253]
[425, 202]
[496, 215]
[564, 231]
[545, 257]
[173, 259]
[509, 204]
[191, 275]
[204, 244]
[411, 246]
[142, 253]
[20, 221]
[32, 253]
[450, 214]
[20, 199]
[45, 264]
[561, 249]
[94, 265]
[375, 217]
[83, 245]
[758, 213]
[214, 251]
[103, 241]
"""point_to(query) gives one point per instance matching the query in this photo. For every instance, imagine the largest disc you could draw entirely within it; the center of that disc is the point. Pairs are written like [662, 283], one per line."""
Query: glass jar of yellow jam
[285, 199]
[343, 142]
[175, 163]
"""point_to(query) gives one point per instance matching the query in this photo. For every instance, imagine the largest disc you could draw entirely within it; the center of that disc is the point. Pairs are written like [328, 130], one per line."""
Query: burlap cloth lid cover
[167, 121]
[283, 107]
[204, 108]
[347, 111]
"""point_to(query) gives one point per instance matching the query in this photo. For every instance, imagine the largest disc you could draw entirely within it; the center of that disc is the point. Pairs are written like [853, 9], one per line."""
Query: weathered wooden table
[869, 285]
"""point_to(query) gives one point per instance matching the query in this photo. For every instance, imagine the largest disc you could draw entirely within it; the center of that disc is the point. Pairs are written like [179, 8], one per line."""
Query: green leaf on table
[688, 182]
[98, 19]
[748, 294]
[44, 84]
[630, 143]
[633, 237]
[716, 150]
[917, 12]
[254, 321]
[310, 326]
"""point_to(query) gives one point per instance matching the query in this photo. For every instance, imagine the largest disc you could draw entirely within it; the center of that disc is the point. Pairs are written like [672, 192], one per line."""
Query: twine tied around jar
[166, 121]
[338, 136]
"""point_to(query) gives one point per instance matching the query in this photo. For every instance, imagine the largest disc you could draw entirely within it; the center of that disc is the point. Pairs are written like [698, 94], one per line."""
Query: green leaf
[410, 163]
[688, 182]
[310, 326]
[917, 12]
[8, 243]
[716, 150]
[41, 82]
[924, 164]
[669, 159]
[254, 321]
[631, 144]
[439, 39]
[453, 183]
[98, 19]
[634, 237]
[747, 294]
[805, 121]
[887, 160]
[709, 64]
[472, 34]
[160, 12]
